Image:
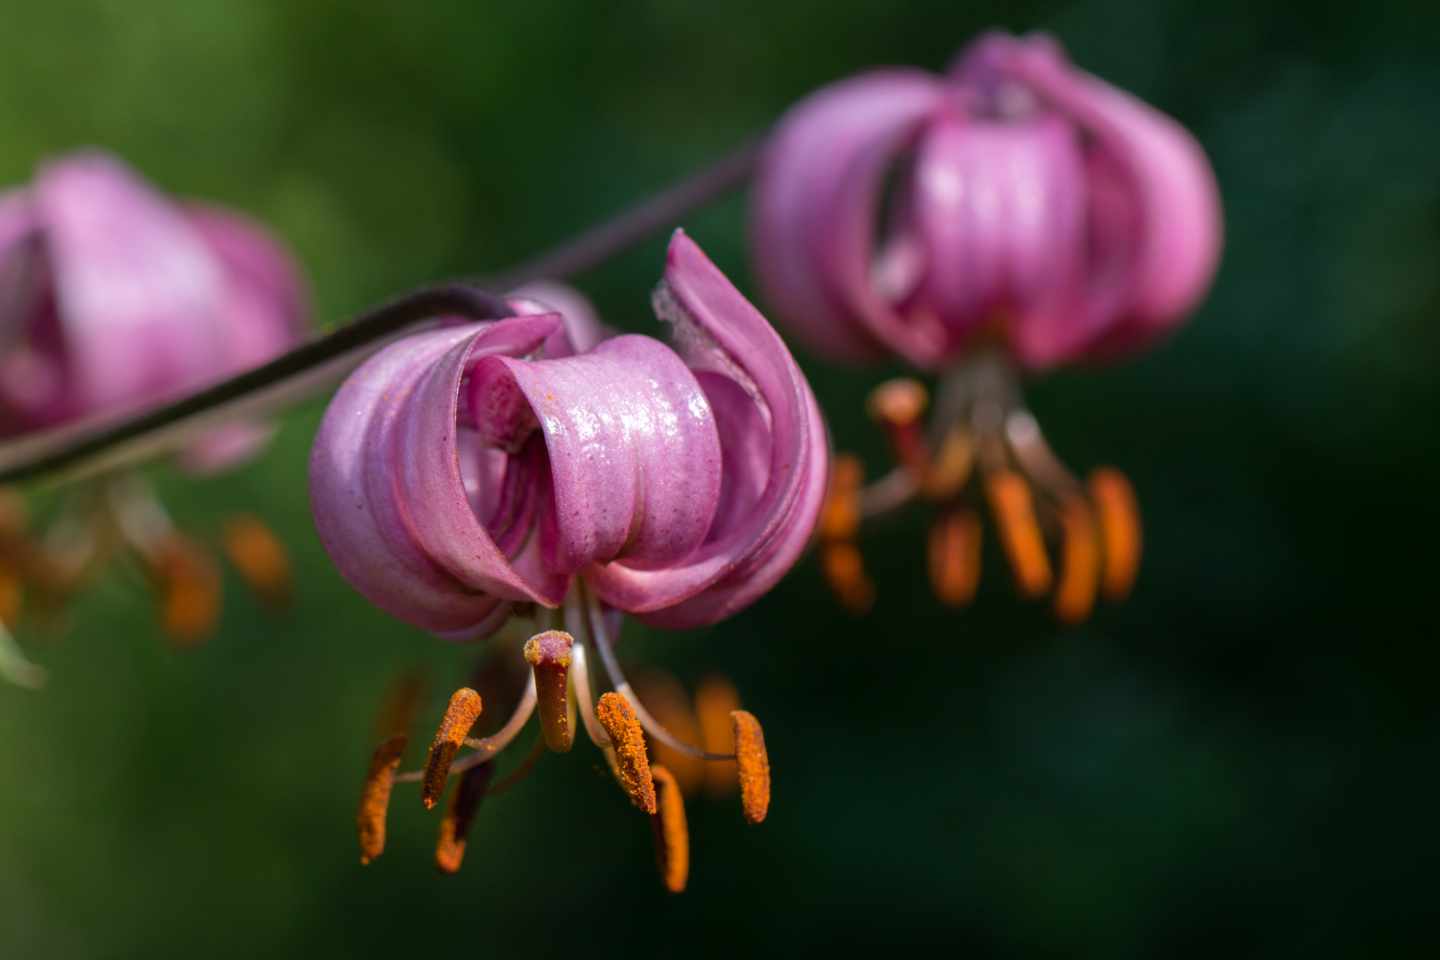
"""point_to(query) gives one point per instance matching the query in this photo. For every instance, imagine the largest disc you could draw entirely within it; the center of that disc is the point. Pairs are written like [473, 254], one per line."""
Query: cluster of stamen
[652, 764]
[983, 452]
[121, 517]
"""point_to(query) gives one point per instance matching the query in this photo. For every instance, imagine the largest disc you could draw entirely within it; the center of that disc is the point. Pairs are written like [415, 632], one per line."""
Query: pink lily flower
[473, 473]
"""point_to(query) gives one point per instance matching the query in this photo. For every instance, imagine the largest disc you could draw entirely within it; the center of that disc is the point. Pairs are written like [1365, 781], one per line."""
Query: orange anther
[1019, 532]
[548, 654]
[840, 516]
[672, 836]
[375, 797]
[460, 716]
[632, 766]
[260, 558]
[1119, 517]
[459, 813]
[954, 555]
[754, 765]
[715, 699]
[189, 590]
[1079, 562]
[844, 570]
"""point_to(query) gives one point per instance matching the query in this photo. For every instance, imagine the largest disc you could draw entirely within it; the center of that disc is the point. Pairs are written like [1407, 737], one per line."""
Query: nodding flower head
[114, 297]
[528, 463]
[1015, 199]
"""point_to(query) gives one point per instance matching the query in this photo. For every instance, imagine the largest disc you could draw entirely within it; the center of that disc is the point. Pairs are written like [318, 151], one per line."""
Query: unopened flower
[1015, 213]
[114, 297]
[473, 473]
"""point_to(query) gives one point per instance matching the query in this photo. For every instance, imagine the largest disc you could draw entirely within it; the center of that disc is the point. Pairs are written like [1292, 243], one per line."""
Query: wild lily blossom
[114, 297]
[1013, 214]
[526, 467]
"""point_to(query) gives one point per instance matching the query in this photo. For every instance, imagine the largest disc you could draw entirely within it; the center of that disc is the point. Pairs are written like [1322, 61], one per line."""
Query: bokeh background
[1240, 758]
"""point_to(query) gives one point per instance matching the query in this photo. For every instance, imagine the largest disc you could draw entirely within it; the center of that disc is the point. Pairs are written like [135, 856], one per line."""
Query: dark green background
[1241, 758]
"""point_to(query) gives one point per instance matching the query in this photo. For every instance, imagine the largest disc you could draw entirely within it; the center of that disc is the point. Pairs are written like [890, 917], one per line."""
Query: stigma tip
[548, 654]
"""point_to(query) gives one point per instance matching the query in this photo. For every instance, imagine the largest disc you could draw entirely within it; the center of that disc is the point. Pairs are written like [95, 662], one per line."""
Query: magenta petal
[816, 202]
[1174, 204]
[583, 328]
[633, 451]
[387, 492]
[140, 295]
[722, 336]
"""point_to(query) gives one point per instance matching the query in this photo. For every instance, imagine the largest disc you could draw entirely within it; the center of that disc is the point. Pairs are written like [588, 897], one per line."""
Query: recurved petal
[1156, 190]
[139, 294]
[583, 326]
[759, 535]
[815, 208]
[389, 501]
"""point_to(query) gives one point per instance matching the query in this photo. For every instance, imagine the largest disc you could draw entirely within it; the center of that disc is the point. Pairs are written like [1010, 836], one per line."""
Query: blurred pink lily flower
[1030, 203]
[114, 297]
[1013, 213]
[471, 473]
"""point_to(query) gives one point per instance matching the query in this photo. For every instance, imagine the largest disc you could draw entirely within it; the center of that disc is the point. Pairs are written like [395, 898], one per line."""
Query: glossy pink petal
[721, 335]
[816, 204]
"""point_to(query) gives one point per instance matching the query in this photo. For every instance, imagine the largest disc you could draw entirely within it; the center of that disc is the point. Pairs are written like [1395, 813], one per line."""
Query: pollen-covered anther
[375, 797]
[188, 586]
[840, 516]
[844, 570]
[672, 836]
[1079, 562]
[459, 814]
[260, 558]
[632, 766]
[548, 654]
[715, 699]
[754, 764]
[954, 556]
[1119, 521]
[898, 405]
[460, 716]
[1020, 535]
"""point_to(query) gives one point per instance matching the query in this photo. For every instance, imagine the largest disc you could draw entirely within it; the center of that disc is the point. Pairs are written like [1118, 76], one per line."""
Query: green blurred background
[1240, 758]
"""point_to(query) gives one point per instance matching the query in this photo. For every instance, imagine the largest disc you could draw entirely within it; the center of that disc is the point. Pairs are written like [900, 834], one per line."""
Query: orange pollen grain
[1119, 519]
[715, 699]
[548, 654]
[672, 836]
[632, 766]
[459, 814]
[1019, 531]
[375, 797]
[754, 765]
[840, 516]
[954, 556]
[1079, 562]
[460, 716]
[844, 570]
[260, 558]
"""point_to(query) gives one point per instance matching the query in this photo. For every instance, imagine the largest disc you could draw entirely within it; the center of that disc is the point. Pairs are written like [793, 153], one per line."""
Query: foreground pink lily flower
[519, 467]
[1015, 212]
[113, 298]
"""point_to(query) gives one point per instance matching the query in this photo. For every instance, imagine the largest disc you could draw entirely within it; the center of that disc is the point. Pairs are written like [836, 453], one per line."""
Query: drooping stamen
[576, 623]
[632, 766]
[1019, 531]
[460, 716]
[897, 405]
[672, 836]
[549, 657]
[665, 698]
[1119, 518]
[459, 813]
[950, 469]
[375, 797]
[260, 558]
[715, 699]
[840, 516]
[1079, 562]
[189, 589]
[954, 555]
[486, 748]
[754, 765]
[843, 567]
